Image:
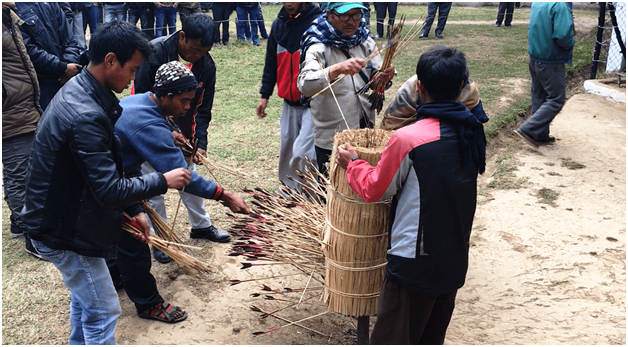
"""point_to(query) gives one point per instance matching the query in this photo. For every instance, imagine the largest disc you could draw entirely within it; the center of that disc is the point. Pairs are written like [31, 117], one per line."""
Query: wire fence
[609, 54]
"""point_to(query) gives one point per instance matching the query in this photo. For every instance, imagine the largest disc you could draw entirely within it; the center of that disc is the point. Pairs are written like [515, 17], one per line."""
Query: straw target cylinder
[355, 235]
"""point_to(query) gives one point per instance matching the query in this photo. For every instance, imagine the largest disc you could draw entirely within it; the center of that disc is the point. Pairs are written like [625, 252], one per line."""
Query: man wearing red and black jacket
[282, 68]
[430, 169]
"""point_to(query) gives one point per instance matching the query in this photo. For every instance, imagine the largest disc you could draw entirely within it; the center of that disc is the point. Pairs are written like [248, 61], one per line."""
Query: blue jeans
[165, 16]
[94, 305]
[15, 154]
[115, 12]
[244, 31]
[90, 16]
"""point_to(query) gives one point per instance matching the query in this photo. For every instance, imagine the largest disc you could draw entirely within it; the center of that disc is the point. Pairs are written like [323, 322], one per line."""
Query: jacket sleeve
[145, 75]
[386, 179]
[71, 50]
[163, 156]
[314, 75]
[204, 110]
[269, 77]
[44, 62]
[563, 26]
[89, 141]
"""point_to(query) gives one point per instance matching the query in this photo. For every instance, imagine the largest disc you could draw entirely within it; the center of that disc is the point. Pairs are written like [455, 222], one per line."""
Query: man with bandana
[338, 43]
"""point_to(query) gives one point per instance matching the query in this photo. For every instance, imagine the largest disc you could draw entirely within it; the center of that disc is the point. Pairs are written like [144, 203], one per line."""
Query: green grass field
[34, 301]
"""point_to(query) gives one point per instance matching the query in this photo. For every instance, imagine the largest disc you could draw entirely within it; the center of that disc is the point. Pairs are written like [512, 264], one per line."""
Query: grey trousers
[297, 142]
[548, 98]
[15, 154]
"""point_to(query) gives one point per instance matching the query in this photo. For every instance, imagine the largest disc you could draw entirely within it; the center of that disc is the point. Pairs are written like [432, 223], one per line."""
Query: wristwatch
[354, 158]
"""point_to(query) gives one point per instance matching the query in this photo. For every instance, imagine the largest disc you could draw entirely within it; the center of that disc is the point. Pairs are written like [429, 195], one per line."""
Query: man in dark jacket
[20, 114]
[190, 46]
[51, 45]
[282, 68]
[76, 191]
[550, 45]
[430, 170]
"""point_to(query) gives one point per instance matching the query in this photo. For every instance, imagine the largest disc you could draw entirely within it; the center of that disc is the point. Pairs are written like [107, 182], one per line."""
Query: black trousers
[405, 317]
[221, 12]
[380, 8]
[133, 264]
[508, 8]
[323, 155]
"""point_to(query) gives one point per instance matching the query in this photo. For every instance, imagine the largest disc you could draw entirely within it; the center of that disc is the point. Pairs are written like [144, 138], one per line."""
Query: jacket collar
[105, 98]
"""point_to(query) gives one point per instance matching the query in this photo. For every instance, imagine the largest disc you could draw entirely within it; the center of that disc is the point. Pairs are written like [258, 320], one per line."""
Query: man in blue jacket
[76, 190]
[550, 45]
[191, 47]
[430, 170]
[146, 137]
[282, 69]
[50, 44]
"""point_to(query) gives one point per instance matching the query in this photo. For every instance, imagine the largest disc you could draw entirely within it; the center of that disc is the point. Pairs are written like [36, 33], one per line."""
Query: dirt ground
[547, 260]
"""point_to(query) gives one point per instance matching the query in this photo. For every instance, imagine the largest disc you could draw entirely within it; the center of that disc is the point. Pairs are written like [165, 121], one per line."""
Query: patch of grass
[504, 177]
[547, 196]
[570, 164]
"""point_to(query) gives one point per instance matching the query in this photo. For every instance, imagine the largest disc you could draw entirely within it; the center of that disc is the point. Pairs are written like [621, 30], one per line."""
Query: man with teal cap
[336, 44]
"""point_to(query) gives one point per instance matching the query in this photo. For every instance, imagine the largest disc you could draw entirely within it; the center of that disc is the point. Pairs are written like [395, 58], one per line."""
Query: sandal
[167, 314]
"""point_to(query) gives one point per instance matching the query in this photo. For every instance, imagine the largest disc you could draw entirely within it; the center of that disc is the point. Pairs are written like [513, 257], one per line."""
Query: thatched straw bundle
[355, 237]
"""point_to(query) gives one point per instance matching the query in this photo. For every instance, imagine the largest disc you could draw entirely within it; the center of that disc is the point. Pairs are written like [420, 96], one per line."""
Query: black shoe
[211, 234]
[217, 44]
[16, 231]
[497, 25]
[527, 137]
[30, 249]
[548, 140]
[423, 36]
[439, 36]
[160, 256]
[508, 25]
[225, 43]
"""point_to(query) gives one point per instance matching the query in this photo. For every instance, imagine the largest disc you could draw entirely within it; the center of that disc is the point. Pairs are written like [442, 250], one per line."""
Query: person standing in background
[76, 23]
[143, 11]
[550, 45]
[261, 23]
[20, 114]
[165, 18]
[281, 68]
[186, 9]
[443, 12]
[90, 17]
[221, 12]
[381, 8]
[114, 11]
[247, 22]
[51, 46]
[507, 8]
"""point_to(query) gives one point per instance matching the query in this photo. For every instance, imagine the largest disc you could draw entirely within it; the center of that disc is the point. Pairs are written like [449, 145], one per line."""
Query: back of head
[443, 72]
[118, 37]
[200, 26]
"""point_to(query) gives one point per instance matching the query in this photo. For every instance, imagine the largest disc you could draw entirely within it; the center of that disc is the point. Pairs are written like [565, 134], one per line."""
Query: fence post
[598, 40]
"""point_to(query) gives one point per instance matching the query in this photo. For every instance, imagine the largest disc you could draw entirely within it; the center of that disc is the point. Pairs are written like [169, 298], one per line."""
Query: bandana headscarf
[321, 31]
[173, 78]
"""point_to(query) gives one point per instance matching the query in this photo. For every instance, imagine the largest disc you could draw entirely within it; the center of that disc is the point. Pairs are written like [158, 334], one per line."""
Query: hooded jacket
[195, 122]
[20, 89]
[283, 54]
[76, 190]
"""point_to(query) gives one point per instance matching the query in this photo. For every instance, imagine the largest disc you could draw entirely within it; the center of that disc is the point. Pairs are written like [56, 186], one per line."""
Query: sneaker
[160, 256]
[217, 44]
[16, 231]
[256, 43]
[30, 249]
[423, 36]
[211, 234]
[497, 25]
[376, 37]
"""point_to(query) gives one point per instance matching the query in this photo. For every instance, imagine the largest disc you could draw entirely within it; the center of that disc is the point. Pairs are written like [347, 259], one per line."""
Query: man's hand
[261, 108]
[200, 153]
[72, 69]
[234, 202]
[140, 219]
[347, 67]
[177, 178]
[344, 155]
[387, 75]
[179, 139]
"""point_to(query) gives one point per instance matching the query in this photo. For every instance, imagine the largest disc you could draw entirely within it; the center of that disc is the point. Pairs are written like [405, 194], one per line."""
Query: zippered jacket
[20, 88]
[195, 122]
[283, 54]
[550, 33]
[76, 190]
[434, 191]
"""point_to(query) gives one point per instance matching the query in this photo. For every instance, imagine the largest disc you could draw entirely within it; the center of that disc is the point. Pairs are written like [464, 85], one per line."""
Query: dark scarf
[321, 31]
[470, 130]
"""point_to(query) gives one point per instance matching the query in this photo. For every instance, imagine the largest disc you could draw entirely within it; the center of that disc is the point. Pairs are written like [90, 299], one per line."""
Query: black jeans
[380, 8]
[508, 8]
[221, 12]
[443, 12]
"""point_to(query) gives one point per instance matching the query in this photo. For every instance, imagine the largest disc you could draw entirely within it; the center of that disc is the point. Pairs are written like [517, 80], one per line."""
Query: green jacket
[550, 33]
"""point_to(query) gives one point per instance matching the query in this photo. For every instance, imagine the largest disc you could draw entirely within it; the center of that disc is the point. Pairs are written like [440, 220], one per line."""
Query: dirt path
[539, 273]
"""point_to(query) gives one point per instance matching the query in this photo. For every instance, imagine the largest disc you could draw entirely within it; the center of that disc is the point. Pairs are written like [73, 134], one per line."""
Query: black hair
[443, 72]
[200, 26]
[118, 37]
